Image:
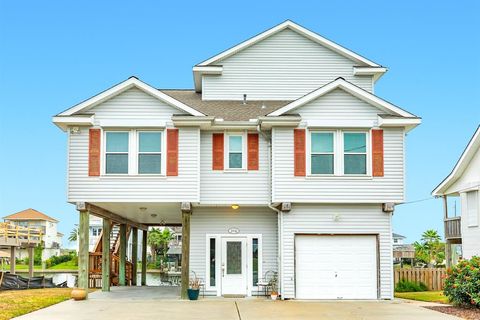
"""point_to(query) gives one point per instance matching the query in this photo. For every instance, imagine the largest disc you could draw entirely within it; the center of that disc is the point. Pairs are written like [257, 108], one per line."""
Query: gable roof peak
[29, 214]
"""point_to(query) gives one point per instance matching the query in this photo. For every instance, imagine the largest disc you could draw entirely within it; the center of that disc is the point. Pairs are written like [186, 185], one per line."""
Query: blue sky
[54, 54]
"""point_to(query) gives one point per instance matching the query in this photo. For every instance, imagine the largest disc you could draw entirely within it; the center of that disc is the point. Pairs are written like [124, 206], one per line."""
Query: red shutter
[299, 160]
[252, 141]
[377, 153]
[217, 151]
[172, 152]
[94, 152]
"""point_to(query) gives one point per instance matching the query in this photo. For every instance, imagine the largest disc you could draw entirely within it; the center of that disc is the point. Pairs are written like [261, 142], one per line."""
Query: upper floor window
[116, 155]
[338, 152]
[235, 151]
[149, 152]
[355, 153]
[322, 153]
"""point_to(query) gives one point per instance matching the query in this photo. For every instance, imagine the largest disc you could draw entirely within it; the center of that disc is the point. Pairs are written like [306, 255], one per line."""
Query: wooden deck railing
[453, 228]
[95, 270]
[433, 278]
[19, 234]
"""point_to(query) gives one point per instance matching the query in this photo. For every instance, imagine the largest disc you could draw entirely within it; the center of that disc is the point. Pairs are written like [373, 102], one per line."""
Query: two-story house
[281, 159]
[462, 231]
[51, 238]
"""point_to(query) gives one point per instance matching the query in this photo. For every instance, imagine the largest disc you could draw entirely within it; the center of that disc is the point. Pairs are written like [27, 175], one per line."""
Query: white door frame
[218, 260]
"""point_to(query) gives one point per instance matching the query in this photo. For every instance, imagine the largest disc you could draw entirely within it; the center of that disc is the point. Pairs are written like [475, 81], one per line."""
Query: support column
[185, 253]
[134, 255]
[13, 261]
[144, 257]
[30, 261]
[123, 254]
[83, 256]
[106, 254]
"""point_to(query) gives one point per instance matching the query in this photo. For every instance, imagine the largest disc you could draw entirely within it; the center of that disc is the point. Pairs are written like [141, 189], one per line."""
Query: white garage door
[335, 267]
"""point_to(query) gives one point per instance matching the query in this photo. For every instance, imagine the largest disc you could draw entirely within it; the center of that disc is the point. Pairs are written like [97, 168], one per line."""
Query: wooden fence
[433, 278]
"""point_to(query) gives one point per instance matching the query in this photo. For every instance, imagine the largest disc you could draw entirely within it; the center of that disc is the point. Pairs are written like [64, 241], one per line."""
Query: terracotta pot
[274, 296]
[78, 294]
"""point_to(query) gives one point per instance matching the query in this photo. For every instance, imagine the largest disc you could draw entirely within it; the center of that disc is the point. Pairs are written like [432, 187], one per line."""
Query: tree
[73, 235]
[158, 241]
[430, 250]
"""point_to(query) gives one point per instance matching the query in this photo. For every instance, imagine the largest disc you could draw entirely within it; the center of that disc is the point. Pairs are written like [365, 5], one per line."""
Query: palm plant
[73, 236]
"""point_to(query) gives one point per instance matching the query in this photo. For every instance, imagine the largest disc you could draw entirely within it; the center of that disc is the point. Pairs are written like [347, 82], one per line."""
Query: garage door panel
[336, 267]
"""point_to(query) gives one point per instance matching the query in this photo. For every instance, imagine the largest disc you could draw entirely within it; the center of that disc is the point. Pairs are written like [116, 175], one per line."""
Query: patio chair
[265, 283]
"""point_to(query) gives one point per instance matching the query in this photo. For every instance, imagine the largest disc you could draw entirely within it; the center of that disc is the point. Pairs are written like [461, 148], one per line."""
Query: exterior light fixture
[235, 206]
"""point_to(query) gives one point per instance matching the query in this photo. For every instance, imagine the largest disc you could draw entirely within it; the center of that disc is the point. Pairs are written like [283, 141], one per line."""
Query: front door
[234, 266]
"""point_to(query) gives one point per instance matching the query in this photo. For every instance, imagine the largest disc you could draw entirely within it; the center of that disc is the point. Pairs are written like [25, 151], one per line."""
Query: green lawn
[428, 296]
[15, 303]
[68, 265]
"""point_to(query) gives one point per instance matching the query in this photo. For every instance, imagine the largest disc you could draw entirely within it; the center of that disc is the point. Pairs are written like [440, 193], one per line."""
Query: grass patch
[67, 265]
[15, 303]
[427, 296]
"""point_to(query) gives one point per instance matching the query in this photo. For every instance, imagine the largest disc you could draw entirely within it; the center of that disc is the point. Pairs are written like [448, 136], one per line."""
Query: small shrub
[54, 260]
[409, 286]
[462, 283]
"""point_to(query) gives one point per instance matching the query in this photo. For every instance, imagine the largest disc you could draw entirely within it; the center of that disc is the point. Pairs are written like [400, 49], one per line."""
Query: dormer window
[116, 155]
[235, 151]
[149, 152]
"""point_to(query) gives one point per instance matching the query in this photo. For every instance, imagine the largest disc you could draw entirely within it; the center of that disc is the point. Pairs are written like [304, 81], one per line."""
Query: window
[472, 208]
[235, 150]
[354, 153]
[254, 261]
[212, 262]
[116, 157]
[322, 153]
[149, 152]
[96, 231]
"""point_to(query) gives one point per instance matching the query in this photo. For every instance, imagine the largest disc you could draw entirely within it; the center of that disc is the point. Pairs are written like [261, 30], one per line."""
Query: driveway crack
[238, 311]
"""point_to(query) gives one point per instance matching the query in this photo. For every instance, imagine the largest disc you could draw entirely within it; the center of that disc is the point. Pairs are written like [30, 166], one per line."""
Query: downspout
[279, 214]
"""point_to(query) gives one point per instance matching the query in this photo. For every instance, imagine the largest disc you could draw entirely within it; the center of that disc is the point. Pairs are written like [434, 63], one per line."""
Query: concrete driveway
[155, 303]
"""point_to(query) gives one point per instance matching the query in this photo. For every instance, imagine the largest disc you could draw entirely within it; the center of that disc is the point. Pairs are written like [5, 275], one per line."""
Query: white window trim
[133, 147]
[218, 259]
[338, 170]
[163, 152]
[367, 154]
[104, 152]
[473, 218]
[226, 153]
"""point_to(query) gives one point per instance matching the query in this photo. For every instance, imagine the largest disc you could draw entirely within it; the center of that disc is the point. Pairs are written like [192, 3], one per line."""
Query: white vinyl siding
[206, 221]
[134, 188]
[134, 105]
[284, 66]
[338, 219]
[227, 187]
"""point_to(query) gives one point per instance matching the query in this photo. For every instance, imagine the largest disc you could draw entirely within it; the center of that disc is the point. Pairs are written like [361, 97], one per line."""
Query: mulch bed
[470, 314]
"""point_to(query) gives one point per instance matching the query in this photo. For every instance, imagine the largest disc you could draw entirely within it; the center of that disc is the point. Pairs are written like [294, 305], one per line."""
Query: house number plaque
[233, 230]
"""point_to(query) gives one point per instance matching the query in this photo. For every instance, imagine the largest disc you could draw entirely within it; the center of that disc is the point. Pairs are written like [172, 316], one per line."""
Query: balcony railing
[453, 228]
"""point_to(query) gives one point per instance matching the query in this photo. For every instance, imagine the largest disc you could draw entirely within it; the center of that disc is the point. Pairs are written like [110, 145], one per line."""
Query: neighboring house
[52, 239]
[95, 230]
[397, 239]
[462, 233]
[281, 159]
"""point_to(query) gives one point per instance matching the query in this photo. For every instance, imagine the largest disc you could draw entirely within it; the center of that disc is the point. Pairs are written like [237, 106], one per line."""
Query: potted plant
[193, 287]
[273, 285]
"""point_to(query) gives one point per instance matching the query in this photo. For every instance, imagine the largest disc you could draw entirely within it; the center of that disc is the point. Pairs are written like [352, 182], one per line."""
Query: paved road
[146, 303]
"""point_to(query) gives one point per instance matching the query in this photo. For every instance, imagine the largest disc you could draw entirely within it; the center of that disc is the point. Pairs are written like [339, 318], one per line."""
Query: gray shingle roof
[232, 110]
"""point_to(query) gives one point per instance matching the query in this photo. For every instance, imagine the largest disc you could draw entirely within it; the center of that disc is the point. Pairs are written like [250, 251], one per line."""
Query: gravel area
[470, 314]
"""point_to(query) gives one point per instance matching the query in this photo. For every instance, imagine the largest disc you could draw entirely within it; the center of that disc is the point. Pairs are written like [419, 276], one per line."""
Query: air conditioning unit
[388, 207]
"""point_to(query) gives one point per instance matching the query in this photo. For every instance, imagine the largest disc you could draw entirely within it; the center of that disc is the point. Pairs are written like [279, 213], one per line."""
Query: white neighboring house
[398, 239]
[463, 181]
[51, 238]
[94, 232]
[282, 153]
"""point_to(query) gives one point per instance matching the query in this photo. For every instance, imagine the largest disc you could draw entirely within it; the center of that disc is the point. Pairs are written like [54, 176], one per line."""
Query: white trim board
[123, 86]
[348, 87]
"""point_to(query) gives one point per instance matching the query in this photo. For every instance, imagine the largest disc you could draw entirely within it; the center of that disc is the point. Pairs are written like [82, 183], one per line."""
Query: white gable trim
[467, 155]
[297, 28]
[123, 86]
[348, 87]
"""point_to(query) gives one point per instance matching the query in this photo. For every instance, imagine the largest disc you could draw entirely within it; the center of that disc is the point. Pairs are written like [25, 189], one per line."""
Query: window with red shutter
[377, 153]
[299, 160]
[252, 142]
[172, 152]
[217, 151]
